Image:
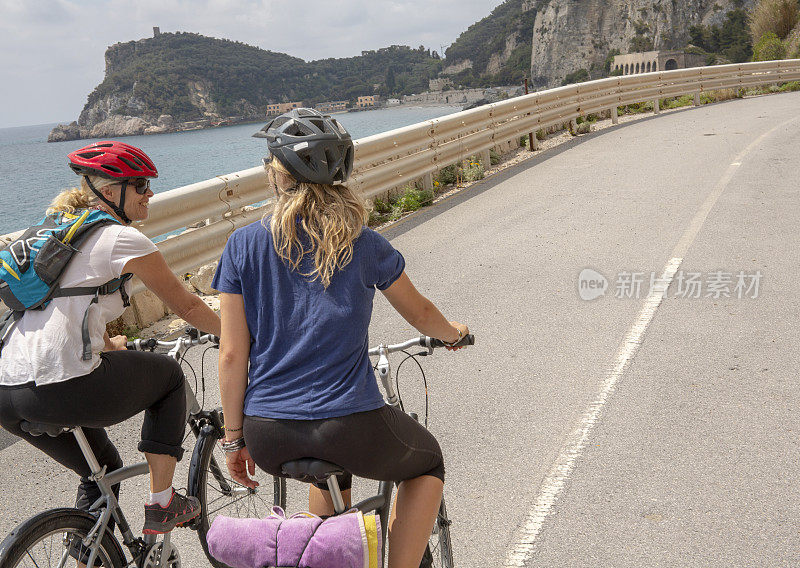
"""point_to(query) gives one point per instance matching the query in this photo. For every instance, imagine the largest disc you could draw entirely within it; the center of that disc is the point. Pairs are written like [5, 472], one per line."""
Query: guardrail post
[615, 114]
[657, 106]
[697, 99]
[427, 182]
[535, 139]
[486, 159]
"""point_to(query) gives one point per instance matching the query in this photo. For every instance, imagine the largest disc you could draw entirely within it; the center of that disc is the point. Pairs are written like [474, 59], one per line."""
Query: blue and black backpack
[32, 265]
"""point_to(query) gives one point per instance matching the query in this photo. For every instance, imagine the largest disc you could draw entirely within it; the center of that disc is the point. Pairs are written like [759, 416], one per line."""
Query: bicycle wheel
[52, 537]
[220, 495]
[439, 552]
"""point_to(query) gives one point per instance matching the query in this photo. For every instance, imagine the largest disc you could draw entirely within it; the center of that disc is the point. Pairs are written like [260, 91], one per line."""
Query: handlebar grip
[142, 344]
[468, 339]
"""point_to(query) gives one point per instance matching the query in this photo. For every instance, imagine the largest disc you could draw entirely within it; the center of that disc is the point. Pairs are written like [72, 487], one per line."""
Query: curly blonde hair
[331, 215]
[76, 198]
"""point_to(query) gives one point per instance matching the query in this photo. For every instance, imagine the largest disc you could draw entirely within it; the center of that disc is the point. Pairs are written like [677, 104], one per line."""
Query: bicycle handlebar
[422, 341]
[190, 338]
[193, 337]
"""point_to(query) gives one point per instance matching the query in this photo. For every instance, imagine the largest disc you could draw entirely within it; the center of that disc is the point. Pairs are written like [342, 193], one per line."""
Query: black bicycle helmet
[314, 147]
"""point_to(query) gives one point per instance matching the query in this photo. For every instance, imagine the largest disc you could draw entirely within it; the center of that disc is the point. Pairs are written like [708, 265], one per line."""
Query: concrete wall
[458, 97]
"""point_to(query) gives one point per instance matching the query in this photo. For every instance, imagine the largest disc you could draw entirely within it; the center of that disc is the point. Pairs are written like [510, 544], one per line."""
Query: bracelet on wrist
[451, 343]
[233, 445]
[239, 429]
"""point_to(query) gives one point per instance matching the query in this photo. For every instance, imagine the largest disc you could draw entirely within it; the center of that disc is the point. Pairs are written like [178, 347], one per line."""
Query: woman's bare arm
[420, 312]
[154, 272]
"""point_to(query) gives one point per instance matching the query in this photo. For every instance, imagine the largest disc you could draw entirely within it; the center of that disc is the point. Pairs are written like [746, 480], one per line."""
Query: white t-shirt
[46, 345]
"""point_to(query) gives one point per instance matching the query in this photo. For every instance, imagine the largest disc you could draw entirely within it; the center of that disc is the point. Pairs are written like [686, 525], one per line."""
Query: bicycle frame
[108, 505]
[381, 502]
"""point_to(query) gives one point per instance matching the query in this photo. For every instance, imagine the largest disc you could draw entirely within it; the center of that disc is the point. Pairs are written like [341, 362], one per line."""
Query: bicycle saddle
[37, 428]
[310, 470]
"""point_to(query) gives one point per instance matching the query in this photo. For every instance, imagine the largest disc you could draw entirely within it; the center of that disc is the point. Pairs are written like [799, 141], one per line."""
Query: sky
[52, 51]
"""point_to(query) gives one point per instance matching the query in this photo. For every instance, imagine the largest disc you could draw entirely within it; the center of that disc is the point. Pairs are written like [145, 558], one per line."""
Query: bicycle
[439, 552]
[86, 536]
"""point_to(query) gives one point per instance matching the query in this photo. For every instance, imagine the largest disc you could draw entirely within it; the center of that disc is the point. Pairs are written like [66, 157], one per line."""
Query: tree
[774, 16]
[390, 80]
[578, 76]
[769, 48]
[641, 44]
[609, 62]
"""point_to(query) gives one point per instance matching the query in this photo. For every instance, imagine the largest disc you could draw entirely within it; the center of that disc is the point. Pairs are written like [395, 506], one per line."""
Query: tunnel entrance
[670, 65]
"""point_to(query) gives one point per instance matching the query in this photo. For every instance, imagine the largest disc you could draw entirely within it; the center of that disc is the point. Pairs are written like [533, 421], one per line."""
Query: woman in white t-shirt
[43, 376]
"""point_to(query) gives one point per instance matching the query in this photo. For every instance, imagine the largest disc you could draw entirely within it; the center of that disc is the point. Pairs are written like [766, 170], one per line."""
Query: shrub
[578, 76]
[411, 200]
[792, 43]
[381, 206]
[523, 141]
[541, 134]
[793, 86]
[638, 108]
[375, 219]
[778, 17]
[448, 175]
[768, 48]
[721, 95]
[685, 100]
[474, 171]
[494, 157]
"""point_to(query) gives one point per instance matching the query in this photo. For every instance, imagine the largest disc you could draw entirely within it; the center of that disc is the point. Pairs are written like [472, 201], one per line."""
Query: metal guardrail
[397, 157]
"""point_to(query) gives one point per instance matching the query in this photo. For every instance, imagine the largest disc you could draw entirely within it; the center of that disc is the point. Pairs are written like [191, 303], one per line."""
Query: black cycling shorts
[384, 444]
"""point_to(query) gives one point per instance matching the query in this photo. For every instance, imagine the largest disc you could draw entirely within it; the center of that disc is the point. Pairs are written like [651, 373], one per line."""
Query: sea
[33, 171]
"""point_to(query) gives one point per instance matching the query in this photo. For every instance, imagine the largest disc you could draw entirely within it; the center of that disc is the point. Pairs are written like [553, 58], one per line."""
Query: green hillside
[487, 37]
[155, 76]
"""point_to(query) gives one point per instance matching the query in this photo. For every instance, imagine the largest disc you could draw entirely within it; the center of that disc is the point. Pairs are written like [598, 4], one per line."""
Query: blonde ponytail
[73, 199]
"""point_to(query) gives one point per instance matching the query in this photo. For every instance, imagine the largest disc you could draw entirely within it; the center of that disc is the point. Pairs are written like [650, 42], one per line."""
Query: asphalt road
[621, 431]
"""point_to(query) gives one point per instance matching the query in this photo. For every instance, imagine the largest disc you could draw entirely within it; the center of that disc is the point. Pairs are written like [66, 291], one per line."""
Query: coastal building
[367, 101]
[649, 61]
[332, 106]
[280, 108]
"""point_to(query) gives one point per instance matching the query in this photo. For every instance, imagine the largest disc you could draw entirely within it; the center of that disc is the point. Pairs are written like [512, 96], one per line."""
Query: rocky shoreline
[118, 125]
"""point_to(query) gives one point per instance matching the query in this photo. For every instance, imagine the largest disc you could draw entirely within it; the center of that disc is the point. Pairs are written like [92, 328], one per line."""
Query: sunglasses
[141, 185]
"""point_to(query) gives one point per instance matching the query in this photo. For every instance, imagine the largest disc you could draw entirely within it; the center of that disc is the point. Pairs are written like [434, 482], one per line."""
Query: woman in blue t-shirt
[296, 300]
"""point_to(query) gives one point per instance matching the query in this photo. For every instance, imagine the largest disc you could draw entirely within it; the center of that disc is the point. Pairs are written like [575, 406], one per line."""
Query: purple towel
[304, 540]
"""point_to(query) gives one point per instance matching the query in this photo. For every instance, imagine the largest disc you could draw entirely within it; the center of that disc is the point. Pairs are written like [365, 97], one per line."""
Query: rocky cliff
[551, 39]
[569, 35]
[201, 81]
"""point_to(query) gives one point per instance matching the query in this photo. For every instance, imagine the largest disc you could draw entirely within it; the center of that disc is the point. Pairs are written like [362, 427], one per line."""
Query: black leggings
[384, 444]
[125, 383]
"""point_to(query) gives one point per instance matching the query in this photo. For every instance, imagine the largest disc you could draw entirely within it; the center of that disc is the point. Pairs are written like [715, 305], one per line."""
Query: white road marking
[524, 540]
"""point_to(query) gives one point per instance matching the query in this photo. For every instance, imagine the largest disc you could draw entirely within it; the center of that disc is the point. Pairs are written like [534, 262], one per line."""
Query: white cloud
[52, 51]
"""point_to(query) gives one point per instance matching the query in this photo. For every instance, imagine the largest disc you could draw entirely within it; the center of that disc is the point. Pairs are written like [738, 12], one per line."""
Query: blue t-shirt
[308, 356]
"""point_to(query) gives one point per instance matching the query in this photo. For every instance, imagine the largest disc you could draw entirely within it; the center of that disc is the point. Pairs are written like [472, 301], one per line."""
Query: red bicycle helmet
[111, 159]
